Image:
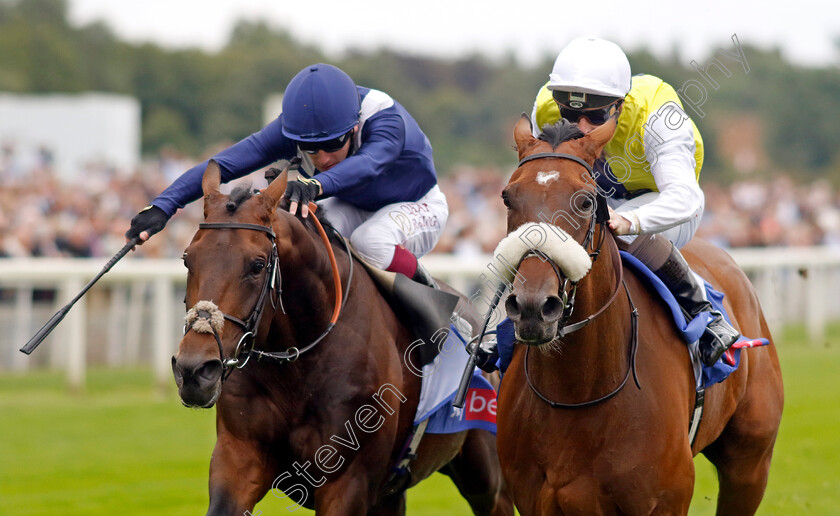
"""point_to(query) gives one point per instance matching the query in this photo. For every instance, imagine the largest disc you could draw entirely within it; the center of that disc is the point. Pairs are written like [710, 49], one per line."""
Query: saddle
[692, 330]
[425, 310]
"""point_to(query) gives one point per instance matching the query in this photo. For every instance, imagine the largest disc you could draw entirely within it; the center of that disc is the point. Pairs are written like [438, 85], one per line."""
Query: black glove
[150, 219]
[303, 191]
[486, 357]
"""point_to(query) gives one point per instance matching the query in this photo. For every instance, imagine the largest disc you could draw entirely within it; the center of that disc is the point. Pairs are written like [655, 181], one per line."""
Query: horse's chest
[583, 469]
[587, 494]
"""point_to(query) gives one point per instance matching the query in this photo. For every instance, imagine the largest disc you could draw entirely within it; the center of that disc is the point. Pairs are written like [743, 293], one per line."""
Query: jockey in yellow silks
[649, 170]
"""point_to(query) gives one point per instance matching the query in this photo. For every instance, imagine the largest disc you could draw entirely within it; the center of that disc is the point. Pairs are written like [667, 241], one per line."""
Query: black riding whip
[461, 396]
[55, 319]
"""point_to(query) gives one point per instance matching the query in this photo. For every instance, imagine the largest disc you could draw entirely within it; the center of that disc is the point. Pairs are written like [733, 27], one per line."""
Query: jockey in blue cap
[372, 170]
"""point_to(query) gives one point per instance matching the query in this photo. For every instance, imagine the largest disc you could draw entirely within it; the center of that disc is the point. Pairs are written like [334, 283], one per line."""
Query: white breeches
[417, 226]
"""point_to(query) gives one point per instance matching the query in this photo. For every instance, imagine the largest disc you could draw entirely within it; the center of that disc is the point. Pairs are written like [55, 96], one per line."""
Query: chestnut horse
[571, 439]
[321, 418]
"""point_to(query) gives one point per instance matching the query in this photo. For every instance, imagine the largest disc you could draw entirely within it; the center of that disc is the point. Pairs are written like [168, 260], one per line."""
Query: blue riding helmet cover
[320, 103]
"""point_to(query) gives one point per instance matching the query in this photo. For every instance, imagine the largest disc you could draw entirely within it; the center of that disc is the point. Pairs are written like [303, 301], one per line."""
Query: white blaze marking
[544, 178]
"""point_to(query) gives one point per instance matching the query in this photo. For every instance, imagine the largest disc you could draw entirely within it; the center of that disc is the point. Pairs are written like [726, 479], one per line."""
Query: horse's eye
[184, 259]
[505, 199]
[257, 267]
[583, 204]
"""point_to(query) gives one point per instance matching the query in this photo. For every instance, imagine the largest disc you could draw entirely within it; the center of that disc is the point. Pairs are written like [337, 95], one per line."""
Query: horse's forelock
[238, 196]
[559, 132]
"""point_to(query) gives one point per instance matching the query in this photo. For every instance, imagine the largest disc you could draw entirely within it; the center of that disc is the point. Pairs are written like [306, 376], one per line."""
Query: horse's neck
[309, 301]
[596, 354]
[307, 282]
[309, 290]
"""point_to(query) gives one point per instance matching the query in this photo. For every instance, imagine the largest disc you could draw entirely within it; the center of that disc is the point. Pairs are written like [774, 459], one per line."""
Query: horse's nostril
[552, 309]
[209, 371]
[204, 373]
[512, 308]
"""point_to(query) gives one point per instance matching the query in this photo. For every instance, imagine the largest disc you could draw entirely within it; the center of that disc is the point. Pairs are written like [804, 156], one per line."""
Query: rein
[564, 329]
[634, 342]
[292, 354]
[272, 287]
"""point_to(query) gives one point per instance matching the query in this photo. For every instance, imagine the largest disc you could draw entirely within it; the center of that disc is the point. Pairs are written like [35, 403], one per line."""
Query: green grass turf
[123, 448]
[805, 472]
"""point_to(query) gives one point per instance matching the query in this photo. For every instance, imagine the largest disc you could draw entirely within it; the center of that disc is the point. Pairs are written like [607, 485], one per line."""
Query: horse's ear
[522, 134]
[595, 141]
[274, 192]
[212, 178]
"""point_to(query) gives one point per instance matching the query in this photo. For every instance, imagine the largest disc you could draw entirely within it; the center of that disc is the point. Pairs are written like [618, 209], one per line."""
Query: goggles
[596, 116]
[574, 106]
[327, 146]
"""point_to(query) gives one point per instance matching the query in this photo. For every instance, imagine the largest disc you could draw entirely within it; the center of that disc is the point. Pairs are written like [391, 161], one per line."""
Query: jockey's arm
[256, 151]
[383, 139]
[673, 169]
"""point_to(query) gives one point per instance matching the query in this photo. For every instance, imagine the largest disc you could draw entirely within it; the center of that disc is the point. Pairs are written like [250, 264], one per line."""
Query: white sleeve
[669, 149]
[534, 129]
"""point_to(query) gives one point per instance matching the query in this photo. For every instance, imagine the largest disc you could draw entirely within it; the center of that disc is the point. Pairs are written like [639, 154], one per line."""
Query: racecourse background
[786, 237]
[44, 216]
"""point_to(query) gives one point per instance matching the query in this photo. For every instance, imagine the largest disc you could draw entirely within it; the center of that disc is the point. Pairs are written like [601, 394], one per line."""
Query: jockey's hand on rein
[151, 219]
[302, 192]
[619, 225]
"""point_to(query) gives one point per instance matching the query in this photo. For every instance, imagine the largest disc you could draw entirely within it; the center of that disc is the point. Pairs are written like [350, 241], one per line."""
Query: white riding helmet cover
[591, 65]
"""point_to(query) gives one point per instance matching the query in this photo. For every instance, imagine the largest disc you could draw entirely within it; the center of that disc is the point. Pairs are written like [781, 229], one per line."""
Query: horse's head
[552, 203]
[232, 278]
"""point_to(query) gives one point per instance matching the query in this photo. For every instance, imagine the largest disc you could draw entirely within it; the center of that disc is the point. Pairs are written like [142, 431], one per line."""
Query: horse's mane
[559, 132]
[240, 194]
[324, 217]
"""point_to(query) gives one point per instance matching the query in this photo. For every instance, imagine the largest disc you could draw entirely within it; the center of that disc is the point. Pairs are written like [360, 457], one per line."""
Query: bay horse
[571, 439]
[316, 416]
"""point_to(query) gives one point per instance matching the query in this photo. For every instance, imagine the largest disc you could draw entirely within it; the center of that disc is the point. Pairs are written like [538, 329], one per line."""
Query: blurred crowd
[750, 213]
[775, 212]
[43, 214]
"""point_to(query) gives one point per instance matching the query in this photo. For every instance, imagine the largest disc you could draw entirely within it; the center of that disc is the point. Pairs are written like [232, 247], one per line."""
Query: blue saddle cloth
[689, 331]
[441, 380]
[479, 410]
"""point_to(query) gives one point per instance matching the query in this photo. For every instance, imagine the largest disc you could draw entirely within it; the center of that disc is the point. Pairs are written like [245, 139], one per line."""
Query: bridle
[600, 216]
[272, 288]
[568, 289]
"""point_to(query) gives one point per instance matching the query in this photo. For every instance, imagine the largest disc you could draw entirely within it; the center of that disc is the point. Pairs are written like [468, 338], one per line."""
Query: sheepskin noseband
[552, 241]
[205, 317]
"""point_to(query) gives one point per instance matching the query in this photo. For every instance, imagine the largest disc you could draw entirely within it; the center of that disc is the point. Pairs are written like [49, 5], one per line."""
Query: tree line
[192, 99]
